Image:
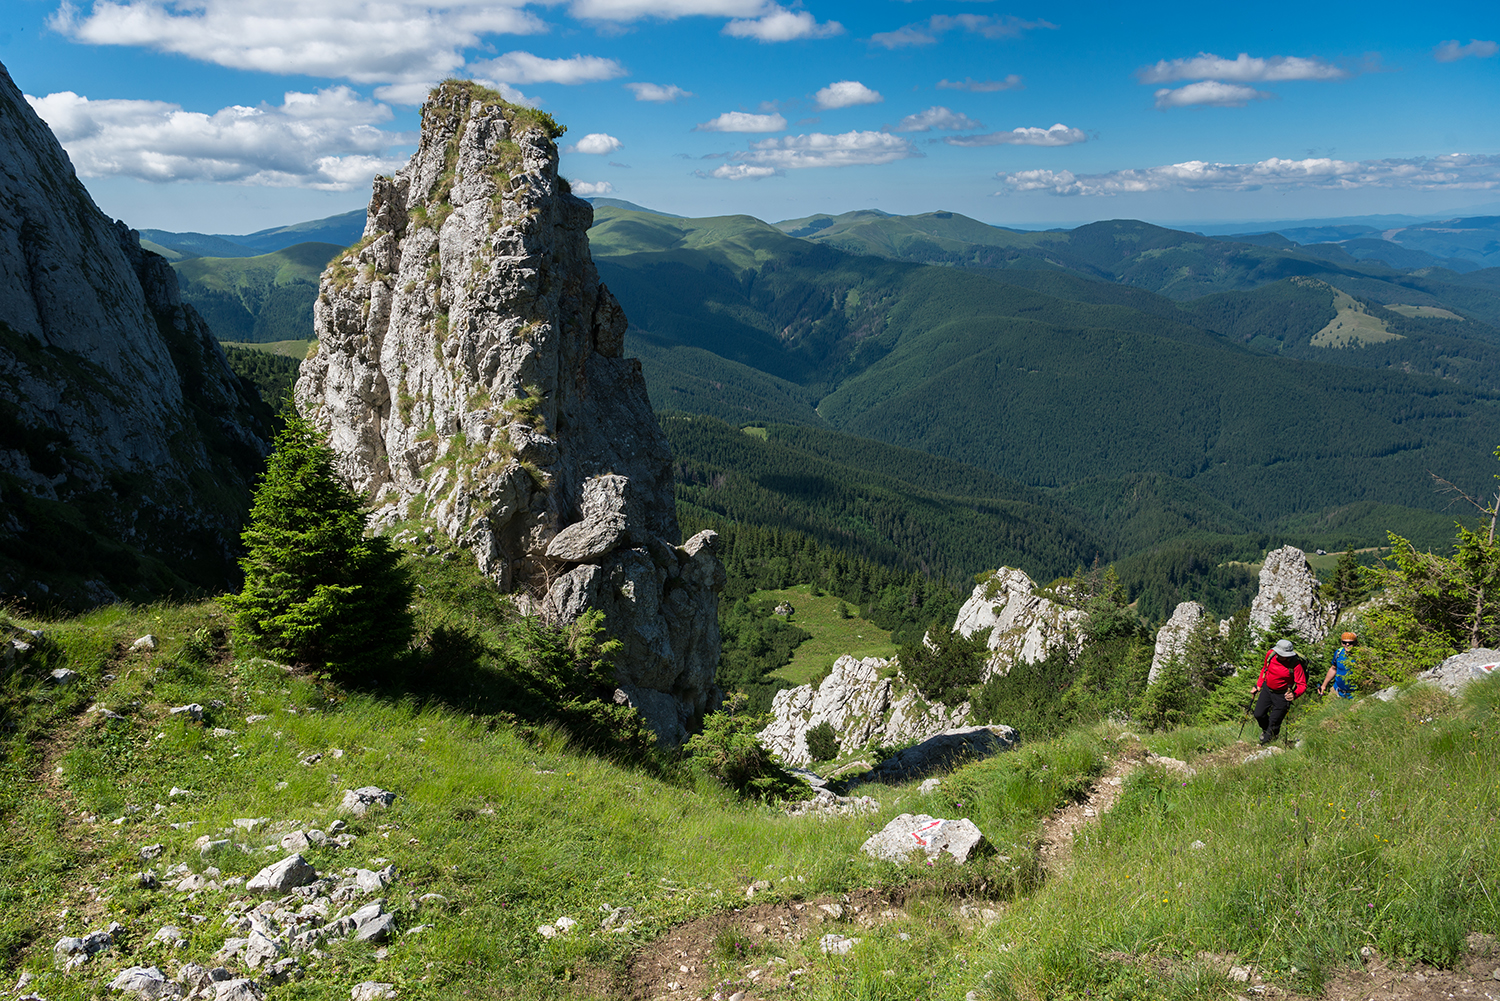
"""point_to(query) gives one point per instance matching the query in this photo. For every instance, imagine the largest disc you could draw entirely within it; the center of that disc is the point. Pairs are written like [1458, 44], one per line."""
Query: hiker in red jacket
[1282, 679]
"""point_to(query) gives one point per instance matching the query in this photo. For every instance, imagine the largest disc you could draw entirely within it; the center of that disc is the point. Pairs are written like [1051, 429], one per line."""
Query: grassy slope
[1380, 831]
[832, 634]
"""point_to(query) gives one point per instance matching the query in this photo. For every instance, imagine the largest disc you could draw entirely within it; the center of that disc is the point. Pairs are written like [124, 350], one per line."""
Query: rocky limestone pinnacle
[469, 371]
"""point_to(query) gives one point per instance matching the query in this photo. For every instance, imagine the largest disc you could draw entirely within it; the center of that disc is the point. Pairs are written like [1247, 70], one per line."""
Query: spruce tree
[317, 592]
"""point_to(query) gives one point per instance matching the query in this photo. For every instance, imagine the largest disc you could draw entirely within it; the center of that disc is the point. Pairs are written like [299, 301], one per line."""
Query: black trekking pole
[1248, 707]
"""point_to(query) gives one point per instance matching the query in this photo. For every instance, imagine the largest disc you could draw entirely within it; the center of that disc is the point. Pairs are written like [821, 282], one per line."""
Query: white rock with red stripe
[930, 836]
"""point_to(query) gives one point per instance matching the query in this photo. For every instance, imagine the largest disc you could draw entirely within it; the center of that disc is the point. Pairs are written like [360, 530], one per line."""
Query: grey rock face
[929, 835]
[1172, 638]
[123, 403]
[146, 982]
[1022, 625]
[469, 371]
[1287, 584]
[860, 705]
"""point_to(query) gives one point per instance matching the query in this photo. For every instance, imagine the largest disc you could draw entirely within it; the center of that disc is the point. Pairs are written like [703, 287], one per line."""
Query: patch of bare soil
[1377, 981]
[1063, 825]
[731, 954]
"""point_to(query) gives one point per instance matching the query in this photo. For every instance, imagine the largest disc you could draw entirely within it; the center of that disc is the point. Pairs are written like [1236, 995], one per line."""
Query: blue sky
[236, 115]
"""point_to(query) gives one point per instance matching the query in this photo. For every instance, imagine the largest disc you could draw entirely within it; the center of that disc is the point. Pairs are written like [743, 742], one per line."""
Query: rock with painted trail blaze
[469, 371]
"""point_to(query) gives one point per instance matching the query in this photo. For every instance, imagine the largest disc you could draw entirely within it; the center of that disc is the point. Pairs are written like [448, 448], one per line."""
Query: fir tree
[317, 592]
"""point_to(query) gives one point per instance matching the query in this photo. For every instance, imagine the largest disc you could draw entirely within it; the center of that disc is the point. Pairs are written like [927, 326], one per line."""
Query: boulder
[1288, 584]
[76, 951]
[360, 801]
[929, 835]
[146, 982]
[274, 880]
[1022, 625]
[1172, 638]
[945, 751]
[1460, 669]
[237, 989]
[469, 372]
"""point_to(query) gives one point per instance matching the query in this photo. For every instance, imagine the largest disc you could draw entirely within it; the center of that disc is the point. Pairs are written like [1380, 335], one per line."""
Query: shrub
[728, 750]
[317, 592]
[822, 742]
[943, 667]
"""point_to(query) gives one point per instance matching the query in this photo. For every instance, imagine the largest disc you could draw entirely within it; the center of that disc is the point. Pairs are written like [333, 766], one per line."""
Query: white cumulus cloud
[523, 67]
[1209, 93]
[657, 92]
[327, 140]
[1057, 135]
[818, 149]
[1011, 82]
[845, 94]
[1457, 171]
[742, 121]
[366, 41]
[927, 32]
[597, 143]
[587, 189]
[1450, 52]
[935, 117]
[1242, 69]
[664, 10]
[778, 24]
[740, 172]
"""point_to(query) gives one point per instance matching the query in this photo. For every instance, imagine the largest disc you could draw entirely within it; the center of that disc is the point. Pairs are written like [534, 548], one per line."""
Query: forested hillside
[257, 299]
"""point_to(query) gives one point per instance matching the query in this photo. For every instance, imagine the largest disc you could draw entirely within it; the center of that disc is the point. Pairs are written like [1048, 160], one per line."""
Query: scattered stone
[756, 887]
[146, 642]
[370, 990]
[61, 676]
[1262, 754]
[311, 759]
[929, 786]
[336, 827]
[290, 872]
[283, 970]
[827, 803]
[249, 824]
[237, 990]
[360, 801]
[836, 945]
[171, 936]
[1241, 974]
[210, 846]
[546, 931]
[297, 841]
[617, 920]
[147, 981]
[221, 732]
[565, 924]
[1172, 765]
[919, 832]
[179, 792]
[149, 852]
[147, 880]
[432, 900]
[74, 952]
[256, 718]
[193, 710]
[1197, 846]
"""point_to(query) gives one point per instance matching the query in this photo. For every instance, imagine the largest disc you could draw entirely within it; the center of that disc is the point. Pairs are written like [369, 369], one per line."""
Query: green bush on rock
[317, 592]
[727, 750]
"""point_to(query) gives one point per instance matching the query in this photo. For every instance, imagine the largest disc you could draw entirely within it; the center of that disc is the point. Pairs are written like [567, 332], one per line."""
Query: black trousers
[1270, 709]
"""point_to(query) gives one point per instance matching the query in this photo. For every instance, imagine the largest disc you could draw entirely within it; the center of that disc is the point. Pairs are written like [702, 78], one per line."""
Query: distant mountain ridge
[342, 229]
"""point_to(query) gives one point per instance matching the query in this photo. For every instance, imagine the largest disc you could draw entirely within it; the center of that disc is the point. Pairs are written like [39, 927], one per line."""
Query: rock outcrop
[1288, 584]
[865, 701]
[469, 373]
[1023, 625]
[127, 446]
[1172, 638]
